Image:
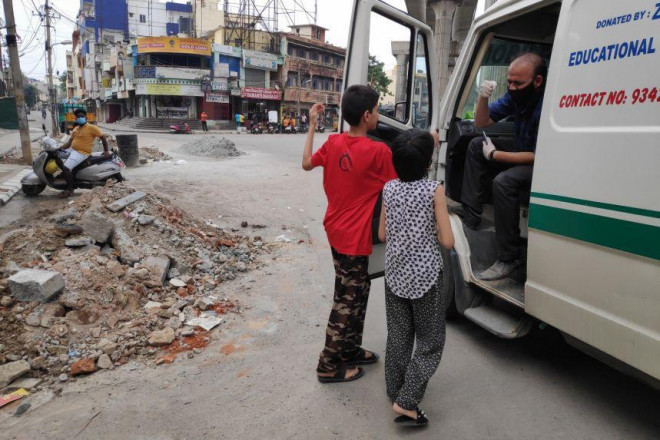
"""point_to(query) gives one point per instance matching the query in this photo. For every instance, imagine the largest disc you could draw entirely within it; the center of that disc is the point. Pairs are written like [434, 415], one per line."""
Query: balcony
[295, 63]
[300, 94]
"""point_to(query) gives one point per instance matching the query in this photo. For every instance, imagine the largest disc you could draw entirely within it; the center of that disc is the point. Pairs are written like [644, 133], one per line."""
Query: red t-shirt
[355, 169]
[203, 117]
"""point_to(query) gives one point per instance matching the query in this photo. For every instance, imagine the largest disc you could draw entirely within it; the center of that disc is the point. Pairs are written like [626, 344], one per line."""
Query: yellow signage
[164, 89]
[191, 46]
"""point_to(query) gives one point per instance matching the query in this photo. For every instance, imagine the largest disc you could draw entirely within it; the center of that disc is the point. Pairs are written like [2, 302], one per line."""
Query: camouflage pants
[343, 337]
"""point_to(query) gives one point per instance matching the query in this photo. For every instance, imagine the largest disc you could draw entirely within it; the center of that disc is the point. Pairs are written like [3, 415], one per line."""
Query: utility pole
[17, 75]
[51, 90]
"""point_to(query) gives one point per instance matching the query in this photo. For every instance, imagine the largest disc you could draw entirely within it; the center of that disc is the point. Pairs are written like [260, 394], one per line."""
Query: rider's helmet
[51, 167]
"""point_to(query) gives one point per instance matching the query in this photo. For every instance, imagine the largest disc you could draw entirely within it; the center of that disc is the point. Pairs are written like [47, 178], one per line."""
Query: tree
[31, 95]
[376, 76]
[63, 84]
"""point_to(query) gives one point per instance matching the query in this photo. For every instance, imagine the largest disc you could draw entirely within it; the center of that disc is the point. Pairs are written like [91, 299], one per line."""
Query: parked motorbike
[302, 128]
[273, 128]
[320, 128]
[94, 171]
[180, 128]
[255, 128]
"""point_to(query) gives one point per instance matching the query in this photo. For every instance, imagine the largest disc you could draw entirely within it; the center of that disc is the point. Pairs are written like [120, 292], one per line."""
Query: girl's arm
[381, 225]
[445, 234]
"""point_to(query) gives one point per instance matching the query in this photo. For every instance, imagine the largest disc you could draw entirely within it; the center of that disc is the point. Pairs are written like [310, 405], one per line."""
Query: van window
[420, 97]
[494, 67]
[389, 65]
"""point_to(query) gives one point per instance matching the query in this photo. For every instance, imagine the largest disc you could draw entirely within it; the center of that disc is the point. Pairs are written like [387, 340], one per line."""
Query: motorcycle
[320, 128]
[180, 129]
[273, 128]
[255, 128]
[96, 170]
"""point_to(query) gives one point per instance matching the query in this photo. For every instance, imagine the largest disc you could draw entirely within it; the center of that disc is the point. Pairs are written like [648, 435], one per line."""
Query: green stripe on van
[591, 203]
[623, 235]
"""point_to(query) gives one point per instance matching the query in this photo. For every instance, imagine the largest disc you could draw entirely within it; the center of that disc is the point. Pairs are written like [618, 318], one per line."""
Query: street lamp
[51, 90]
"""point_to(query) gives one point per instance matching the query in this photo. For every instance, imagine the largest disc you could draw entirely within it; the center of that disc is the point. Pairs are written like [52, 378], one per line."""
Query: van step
[500, 322]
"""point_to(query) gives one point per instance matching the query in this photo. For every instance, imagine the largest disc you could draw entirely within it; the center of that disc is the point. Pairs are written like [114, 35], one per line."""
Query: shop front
[258, 102]
[163, 98]
[225, 95]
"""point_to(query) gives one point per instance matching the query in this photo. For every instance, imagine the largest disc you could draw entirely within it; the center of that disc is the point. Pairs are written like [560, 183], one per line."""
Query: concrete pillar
[417, 9]
[400, 50]
[444, 11]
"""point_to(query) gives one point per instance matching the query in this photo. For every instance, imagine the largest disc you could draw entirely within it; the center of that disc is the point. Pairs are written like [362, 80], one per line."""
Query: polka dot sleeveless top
[412, 257]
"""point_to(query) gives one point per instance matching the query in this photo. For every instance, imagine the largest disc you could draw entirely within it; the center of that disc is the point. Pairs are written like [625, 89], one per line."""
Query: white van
[592, 225]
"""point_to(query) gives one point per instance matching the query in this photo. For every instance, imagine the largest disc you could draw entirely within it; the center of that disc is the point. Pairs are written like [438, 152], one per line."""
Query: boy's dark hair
[79, 111]
[412, 152]
[357, 99]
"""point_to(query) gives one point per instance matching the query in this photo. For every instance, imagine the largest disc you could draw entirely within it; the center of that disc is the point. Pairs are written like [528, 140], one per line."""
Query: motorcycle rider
[79, 146]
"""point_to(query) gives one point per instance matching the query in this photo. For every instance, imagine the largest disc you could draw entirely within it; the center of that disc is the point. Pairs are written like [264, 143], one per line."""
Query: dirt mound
[212, 146]
[155, 284]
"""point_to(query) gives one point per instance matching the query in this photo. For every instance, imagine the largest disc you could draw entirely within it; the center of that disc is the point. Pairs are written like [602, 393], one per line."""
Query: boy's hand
[315, 111]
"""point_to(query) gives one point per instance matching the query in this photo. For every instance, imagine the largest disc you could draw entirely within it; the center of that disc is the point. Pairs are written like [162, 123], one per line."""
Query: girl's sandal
[421, 419]
[340, 376]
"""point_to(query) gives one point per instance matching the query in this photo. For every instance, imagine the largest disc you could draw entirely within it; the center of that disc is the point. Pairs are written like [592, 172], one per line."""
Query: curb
[10, 187]
[141, 130]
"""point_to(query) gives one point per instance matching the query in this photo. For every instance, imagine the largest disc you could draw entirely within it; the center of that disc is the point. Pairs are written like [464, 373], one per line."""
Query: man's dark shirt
[526, 122]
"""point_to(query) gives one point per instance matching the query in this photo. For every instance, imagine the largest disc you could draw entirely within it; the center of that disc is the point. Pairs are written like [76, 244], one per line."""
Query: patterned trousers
[413, 321]
[343, 336]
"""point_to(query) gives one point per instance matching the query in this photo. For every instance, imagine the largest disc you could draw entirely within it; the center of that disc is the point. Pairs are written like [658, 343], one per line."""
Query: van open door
[395, 54]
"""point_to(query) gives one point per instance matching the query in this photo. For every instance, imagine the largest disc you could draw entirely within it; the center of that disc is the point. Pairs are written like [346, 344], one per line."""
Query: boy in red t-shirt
[355, 169]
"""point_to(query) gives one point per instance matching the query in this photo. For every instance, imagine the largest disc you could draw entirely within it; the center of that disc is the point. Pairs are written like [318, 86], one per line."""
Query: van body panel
[594, 228]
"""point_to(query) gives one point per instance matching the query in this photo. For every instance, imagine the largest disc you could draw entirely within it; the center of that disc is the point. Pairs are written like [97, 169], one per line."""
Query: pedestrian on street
[414, 223]
[355, 169]
[203, 117]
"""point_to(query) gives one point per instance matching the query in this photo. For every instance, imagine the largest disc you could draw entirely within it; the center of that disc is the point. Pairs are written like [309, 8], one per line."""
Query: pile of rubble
[152, 154]
[212, 146]
[119, 275]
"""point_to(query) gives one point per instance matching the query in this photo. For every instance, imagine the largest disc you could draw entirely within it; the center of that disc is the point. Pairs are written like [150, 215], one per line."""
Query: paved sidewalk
[10, 176]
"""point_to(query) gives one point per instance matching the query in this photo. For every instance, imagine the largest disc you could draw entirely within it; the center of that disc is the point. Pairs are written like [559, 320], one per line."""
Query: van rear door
[395, 54]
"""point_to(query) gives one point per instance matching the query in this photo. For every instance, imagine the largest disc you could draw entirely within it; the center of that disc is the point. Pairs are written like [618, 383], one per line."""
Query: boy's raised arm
[309, 142]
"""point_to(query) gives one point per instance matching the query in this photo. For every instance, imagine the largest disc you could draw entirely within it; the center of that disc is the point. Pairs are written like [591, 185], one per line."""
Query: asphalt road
[265, 387]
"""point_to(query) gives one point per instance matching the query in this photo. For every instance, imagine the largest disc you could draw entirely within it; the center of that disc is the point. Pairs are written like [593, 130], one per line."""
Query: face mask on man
[522, 96]
[81, 120]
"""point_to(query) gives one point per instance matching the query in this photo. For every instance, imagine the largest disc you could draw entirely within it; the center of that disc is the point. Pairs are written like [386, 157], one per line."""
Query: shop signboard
[192, 46]
[145, 72]
[221, 70]
[181, 73]
[219, 84]
[235, 92]
[259, 60]
[168, 89]
[226, 50]
[222, 98]
[259, 93]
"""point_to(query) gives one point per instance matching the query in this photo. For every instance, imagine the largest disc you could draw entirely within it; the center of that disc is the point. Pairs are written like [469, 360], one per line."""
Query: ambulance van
[591, 223]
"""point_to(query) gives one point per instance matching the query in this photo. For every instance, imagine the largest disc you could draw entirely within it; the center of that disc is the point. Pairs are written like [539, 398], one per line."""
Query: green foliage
[376, 76]
[31, 95]
[63, 83]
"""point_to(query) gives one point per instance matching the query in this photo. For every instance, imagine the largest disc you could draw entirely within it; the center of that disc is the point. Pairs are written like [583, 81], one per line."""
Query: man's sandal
[362, 359]
[421, 419]
[340, 376]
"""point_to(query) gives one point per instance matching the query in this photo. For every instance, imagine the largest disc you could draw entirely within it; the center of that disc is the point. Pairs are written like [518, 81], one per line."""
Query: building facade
[313, 71]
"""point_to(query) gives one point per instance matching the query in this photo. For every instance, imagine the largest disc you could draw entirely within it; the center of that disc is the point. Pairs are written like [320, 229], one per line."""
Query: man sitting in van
[511, 166]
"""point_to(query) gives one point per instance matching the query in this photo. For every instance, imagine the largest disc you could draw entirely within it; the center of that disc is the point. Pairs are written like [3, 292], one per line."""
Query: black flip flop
[340, 376]
[421, 419]
[361, 359]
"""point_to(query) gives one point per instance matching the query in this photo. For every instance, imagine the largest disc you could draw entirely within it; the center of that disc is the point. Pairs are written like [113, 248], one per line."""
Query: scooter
[255, 128]
[180, 129]
[96, 170]
[273, 128]
[320, 128]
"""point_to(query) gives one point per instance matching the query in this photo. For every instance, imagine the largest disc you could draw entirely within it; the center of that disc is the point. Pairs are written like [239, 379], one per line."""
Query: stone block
[97, 226]
[122, 203]
[128, 251]
[35, 284]
[13, 370]
[159, 266]
[162, 337]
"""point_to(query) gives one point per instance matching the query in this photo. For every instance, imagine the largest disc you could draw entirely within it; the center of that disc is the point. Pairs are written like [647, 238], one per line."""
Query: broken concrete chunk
[104, 362]
[122, 203]
[162, 337]
[27, 383]
[97, 226]
[66, 215]
[204, 303]
[128, 252]
[205, 321]
[177, 282]
[35, 285]
[11, 371]
[77, 242]
[145, 220]
[159, 265]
